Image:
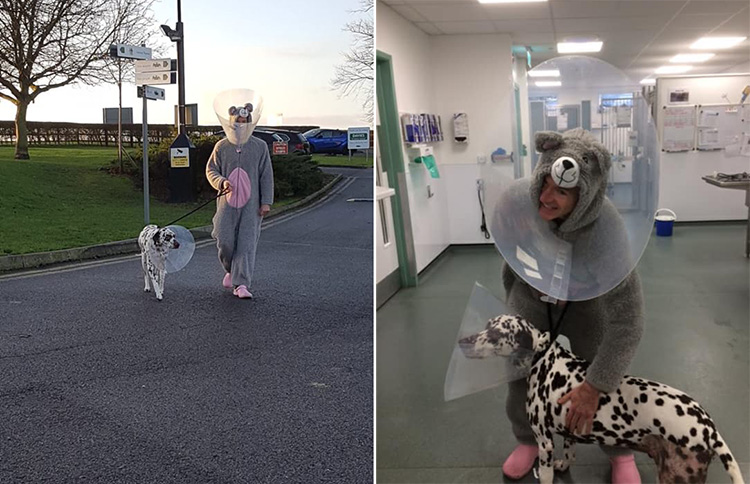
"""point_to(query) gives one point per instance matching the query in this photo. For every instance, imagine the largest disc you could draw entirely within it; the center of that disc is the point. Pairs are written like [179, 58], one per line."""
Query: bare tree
[47, 44]
[118, 70]
[356, 75]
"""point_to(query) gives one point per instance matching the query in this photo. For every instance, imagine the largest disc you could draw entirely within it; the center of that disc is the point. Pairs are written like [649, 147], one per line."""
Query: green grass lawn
[357, 161]
[60, 199]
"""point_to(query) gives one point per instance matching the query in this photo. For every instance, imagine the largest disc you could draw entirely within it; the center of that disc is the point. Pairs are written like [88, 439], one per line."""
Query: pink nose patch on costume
[240, 193]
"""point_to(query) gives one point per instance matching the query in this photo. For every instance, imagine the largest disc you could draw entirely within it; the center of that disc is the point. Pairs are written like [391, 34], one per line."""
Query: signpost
[358, 138]
[125, 51]
[129, 51]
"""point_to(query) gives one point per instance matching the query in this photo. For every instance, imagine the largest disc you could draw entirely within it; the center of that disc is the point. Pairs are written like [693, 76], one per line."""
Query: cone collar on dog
[475, 367]
[594, 248]
[242, 104]
[179, 257]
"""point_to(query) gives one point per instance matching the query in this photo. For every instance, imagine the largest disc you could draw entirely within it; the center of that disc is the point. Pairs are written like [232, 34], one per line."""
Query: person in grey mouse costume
[241, 166]
[568, 186]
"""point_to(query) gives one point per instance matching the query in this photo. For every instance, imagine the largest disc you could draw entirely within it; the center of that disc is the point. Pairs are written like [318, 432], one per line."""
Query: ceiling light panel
[707, 43]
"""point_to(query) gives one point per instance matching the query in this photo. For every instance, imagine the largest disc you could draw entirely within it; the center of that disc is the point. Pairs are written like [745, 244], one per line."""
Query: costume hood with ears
[574, 159]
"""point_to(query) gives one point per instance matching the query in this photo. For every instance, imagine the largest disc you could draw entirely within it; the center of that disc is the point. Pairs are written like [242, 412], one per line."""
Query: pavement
[15, 263]
[102, 383]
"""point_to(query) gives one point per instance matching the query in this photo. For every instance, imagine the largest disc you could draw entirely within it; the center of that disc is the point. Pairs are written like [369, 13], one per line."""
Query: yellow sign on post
[180, 158]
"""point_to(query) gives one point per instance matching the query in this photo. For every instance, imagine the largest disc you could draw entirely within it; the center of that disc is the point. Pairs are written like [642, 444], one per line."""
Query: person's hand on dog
[584, 402]
[226, 186]
[263, 210]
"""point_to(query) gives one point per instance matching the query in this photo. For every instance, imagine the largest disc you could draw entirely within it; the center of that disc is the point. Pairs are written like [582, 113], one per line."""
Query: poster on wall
[679, 129]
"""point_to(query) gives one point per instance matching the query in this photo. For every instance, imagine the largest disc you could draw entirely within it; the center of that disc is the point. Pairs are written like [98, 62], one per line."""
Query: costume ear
[249, 107]
[232, 111]
[602, 156]
[547, 140]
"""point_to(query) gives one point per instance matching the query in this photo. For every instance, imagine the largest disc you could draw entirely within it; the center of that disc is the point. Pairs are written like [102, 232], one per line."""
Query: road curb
[11, 263]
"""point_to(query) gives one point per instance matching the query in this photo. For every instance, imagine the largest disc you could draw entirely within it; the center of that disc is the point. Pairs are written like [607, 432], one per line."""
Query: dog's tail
[727, 459]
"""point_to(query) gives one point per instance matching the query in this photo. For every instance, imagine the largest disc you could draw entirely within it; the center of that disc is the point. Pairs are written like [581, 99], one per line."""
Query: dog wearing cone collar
[155, 244]
[643, 415]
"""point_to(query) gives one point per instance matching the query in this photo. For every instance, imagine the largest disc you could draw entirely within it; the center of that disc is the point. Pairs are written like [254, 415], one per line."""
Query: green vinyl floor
[696, 339]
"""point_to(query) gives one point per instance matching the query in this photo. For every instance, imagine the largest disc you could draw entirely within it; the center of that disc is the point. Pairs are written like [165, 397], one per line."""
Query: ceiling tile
[713, 7]
[409, 13]
[516, 11]
[428, 28]
[478, 27]
[543, 26]
[573, 25]
[702, 21]
[451, 12]
[532, 38]
[612, 8]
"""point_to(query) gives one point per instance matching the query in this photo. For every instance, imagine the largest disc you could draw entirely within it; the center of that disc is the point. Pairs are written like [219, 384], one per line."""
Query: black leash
[554, 330]
[222, 192]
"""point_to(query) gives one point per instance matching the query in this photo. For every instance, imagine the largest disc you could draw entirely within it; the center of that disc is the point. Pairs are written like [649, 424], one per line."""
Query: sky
[284, 50]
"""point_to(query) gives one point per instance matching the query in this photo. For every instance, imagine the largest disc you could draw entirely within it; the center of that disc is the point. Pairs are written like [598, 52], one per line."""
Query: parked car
[327, 141]
[268, 137]
[297, 141]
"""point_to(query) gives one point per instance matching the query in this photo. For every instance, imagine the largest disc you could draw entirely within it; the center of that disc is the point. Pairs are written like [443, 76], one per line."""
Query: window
[612, 100]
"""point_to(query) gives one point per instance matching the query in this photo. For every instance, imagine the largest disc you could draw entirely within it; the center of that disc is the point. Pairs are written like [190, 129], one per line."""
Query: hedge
[294, 175]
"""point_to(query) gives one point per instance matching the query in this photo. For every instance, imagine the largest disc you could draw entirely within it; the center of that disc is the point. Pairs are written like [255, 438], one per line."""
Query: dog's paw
[146, 289]
[159, 298]
[561, 465]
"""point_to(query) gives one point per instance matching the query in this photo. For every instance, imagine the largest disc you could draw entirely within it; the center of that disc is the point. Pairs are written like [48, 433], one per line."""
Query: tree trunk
[22, 132]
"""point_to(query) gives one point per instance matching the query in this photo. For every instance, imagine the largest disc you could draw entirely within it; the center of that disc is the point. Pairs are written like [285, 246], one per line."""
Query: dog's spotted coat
[640, 414]
[155, 242]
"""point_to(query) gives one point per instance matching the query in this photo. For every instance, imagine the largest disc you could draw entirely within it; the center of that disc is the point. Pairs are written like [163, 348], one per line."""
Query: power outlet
[481, 159]
[480, 184]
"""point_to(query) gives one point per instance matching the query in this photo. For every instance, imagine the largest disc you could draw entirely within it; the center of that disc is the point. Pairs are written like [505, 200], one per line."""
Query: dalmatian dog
[155, 243]
[643, 415]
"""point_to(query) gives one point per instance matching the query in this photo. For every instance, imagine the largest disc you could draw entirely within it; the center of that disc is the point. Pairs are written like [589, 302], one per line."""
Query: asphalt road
[100, 382]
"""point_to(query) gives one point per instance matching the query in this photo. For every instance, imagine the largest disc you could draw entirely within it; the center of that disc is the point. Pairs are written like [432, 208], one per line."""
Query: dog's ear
[525, 340]
[157, 238]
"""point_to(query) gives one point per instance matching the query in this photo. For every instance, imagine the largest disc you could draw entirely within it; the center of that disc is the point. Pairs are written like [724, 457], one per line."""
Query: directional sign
[153, 93]
[358, 138]
[155, 65]
[155, 78]
[180, 157]
[129, 51]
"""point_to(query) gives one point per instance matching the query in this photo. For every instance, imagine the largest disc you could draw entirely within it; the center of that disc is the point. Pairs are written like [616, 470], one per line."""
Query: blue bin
[664, 223]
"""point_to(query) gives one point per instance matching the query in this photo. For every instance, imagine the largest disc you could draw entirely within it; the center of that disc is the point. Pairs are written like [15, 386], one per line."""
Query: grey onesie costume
[605, 330]
[237, 230]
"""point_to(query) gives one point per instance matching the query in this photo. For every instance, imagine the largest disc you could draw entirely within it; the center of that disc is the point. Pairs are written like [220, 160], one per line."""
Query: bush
[294, 175]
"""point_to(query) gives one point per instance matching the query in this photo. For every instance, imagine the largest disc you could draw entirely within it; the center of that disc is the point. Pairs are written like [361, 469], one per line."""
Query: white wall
[473, 74]
[681, 188]
[410, 49]
[446, 75]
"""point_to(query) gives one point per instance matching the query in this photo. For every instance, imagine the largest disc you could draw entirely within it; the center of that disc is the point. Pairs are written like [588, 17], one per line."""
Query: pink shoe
[242, 292]
[624, 470]
[227, 282]
[520, 461]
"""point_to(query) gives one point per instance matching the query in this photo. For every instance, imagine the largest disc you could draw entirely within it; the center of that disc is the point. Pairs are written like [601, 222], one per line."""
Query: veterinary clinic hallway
[696, 292]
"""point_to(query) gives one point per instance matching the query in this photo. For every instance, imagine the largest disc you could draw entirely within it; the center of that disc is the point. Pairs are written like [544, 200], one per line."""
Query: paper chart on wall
[679, 128]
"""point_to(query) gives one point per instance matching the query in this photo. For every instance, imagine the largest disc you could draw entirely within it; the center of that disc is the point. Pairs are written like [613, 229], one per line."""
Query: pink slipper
[242, 292]
[520, 461]
[227, 282]
[624, 470]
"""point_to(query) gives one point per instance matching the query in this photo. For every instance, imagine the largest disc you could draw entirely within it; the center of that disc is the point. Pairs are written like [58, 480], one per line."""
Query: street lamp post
[180, 171]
